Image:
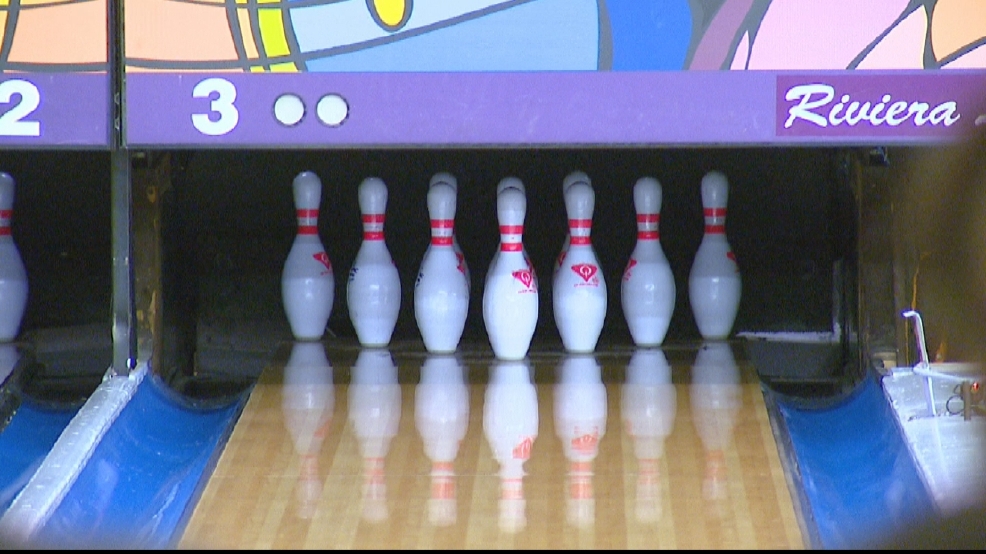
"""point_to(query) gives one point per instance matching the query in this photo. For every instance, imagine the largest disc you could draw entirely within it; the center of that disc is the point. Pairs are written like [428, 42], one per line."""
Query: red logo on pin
[585, 271]
[462, 265]
[524, 276]
[523, 449]
[323, 258]
[628, 271]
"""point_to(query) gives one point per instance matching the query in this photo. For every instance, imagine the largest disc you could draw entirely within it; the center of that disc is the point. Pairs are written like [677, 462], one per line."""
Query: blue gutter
[857, 479]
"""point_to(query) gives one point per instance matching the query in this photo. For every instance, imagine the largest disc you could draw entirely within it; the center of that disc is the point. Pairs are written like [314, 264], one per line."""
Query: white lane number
[223, 115]
[14, 122]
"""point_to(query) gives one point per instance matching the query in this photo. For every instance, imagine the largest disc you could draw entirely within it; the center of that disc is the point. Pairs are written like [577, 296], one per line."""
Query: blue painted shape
[649, 36]
[144, 477]
[24, 443]
[856, 470]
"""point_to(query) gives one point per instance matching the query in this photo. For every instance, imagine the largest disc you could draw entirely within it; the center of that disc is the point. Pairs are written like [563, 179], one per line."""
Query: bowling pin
[441, 291]
[579, 289]
[13, 276]
[308, 403]
[449, 179]
[375, 414]
[648, 403]
[714, 284]
[374, 289]
[510, 424]
[307, 282]
[441, 415]
[568, 181]
[648, 289]
[580, 422]
[716, 398]
[512, 182]
[510, 298]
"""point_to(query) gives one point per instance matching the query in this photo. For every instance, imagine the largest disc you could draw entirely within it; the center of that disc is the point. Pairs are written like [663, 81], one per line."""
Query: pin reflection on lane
[580, 422]
[648, 404]
[308, 403]
[716, 400]
[441, 415]
[374, 413]
[510, 423]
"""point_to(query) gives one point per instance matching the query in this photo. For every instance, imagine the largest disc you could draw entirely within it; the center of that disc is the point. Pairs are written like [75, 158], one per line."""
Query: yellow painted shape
[956, 23]
[390, 12]
[275, 40]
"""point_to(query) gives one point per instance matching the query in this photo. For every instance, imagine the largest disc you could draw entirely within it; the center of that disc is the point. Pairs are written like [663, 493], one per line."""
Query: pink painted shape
[902, 48]
[742, 50]
[974, 59]
[714, 46]
[809, 34]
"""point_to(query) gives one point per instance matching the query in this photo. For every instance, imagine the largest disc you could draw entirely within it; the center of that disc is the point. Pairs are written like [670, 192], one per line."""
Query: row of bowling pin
[510, 423]
[510, 295]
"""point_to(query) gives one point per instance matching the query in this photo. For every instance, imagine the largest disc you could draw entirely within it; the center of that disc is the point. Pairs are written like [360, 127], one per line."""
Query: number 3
[222, 104]
[12, 122]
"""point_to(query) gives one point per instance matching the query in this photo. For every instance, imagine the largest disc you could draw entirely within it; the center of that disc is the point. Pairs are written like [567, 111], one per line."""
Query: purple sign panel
[571, 108]
[873, 105]
[48, 110]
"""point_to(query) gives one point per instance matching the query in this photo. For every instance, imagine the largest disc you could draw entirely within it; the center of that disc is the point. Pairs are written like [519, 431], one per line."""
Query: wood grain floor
[348, 449]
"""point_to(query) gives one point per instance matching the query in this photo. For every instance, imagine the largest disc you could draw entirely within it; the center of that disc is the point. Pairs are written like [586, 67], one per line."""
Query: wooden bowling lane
[343, 448]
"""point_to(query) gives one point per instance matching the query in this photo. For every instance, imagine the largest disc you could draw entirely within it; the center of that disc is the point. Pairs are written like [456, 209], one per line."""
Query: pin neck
[511, 237]
[373, 226]
[441, 232]
[578, 231]
[715, 221]
[647, 226]
[307, 221]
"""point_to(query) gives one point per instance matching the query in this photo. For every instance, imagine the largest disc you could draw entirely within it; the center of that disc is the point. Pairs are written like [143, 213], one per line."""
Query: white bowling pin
[512, 182]
[449, 179]
[307, 282]
[648, 290]
[13, 276]
[510, 424]
[648, 404]
[375, 413]
[579, 290]
[374, 289]
[716, 398]
[307, 403]
[510, 299]
[714, 284]
[441, 291]
[568, 181]
[580, 422]
[441, 415]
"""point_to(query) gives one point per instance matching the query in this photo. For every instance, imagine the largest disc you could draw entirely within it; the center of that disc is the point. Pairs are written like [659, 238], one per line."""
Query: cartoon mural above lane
[553, 72]
[544, 35]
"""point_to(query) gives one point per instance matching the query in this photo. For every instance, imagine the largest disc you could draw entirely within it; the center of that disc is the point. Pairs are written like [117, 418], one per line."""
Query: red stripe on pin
[307, 230]
[373, 235]
[648, 235]
[648, 218]
[511, 229]
[511, 247]
[441, 223]
[580, 223]
[6, 213]
[307, 213]
[715, 229]
[580, 241]
[4, 231]
[373, 218]
[441, 241]
[715, 212]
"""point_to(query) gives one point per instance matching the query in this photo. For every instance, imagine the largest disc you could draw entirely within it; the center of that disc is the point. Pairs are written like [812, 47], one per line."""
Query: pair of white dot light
[331, 109]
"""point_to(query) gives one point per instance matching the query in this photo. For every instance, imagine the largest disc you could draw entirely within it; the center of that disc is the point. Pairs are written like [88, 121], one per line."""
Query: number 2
[12, 122]
[229, 116]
